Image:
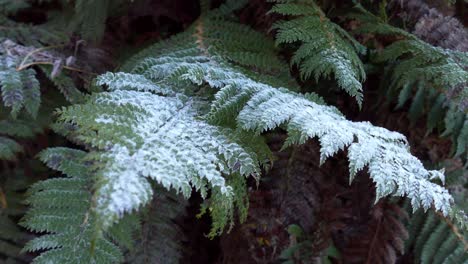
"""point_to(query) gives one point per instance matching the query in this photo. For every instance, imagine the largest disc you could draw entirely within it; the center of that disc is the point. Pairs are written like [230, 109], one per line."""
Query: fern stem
[454, 229]
[25, 66]
[36, 51]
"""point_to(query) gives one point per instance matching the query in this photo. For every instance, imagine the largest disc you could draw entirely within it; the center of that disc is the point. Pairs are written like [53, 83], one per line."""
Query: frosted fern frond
[260, 107]
[59, 207]
[325, 48]
[143, 135]
[188, 113]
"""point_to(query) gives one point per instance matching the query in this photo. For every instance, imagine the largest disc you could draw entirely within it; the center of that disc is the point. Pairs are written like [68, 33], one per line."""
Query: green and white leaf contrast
[189, 113]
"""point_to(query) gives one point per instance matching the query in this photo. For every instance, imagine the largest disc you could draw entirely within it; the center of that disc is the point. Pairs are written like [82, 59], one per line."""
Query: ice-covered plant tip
[188, 114]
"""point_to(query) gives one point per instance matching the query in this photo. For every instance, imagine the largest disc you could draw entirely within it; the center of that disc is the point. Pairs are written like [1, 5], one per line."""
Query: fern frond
[59, 207]
[20, 87]
[259, 107]
[433, 69]
[190, 116]
[438, 76]
[325, 48]
[11, 84]
[370, 23]
[28, 34]
[65, 85]
[432, 240]
[145, 135]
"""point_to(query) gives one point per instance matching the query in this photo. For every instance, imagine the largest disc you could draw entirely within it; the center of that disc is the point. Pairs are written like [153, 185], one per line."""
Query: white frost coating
[163, 142]
[160, 137]
[391, 166]
[104, 120]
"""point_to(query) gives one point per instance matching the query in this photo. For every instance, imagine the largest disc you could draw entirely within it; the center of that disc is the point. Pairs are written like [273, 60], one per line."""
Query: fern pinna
[189, 113]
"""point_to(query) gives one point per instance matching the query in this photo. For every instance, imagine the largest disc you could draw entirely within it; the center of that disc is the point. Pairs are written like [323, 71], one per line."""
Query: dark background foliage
[332, 215]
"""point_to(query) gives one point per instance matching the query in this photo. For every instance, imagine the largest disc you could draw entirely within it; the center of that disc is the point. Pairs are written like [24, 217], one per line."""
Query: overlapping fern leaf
[188, 113]
[440, 78]
[59, 207]
[435, 78]
[19, 89]
[325, 48]
[433, 240]
[19, 83]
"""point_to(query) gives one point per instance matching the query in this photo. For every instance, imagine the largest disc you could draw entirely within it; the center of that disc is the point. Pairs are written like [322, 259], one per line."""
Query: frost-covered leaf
[143, 135]
[258, 107]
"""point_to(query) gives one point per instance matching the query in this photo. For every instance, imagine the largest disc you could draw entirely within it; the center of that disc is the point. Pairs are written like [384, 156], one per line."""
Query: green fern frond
[132, 126]
[11, 84]
[438, 76]
[432, 69]
[65, 85]
[325, 48]
[29, 34]
[370, 23]
[59, 207]
[434, 241]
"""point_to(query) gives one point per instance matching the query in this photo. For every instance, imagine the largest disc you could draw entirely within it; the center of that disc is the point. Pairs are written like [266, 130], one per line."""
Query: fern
[59, 207]
[135, 133]
[438, 76]
[325, 48]
[433, 240]
[189, 113]
[19, 89]
[433, 68]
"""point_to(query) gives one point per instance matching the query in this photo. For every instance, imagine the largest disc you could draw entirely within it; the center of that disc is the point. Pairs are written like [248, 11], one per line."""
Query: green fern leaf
[325, 47]
[59, 207]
